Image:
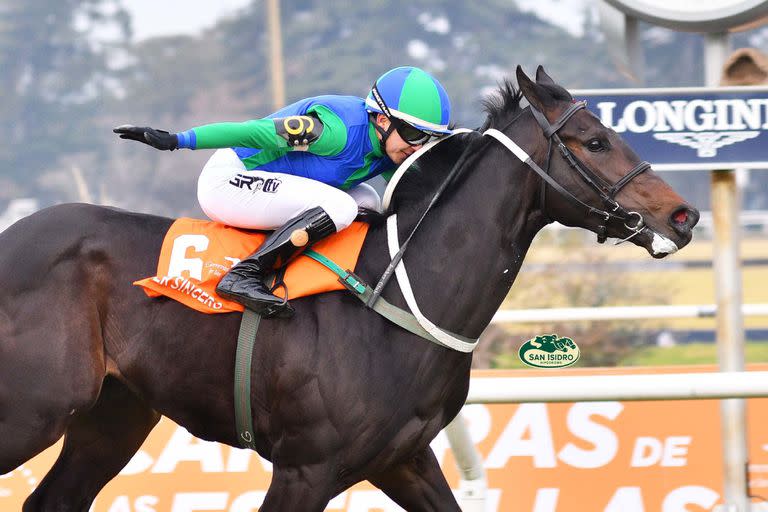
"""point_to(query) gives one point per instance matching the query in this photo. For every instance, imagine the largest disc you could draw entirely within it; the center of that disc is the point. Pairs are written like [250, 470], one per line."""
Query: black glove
[159, 139]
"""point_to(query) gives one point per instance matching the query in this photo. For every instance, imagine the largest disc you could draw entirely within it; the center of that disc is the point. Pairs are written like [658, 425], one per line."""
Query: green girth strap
[363, 291]
[249, 325]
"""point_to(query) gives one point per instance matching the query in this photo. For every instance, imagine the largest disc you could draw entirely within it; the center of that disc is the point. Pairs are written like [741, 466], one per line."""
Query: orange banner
[572, 457]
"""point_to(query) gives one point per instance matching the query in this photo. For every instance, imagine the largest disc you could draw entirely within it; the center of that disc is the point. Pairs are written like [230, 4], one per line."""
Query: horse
[339, 394]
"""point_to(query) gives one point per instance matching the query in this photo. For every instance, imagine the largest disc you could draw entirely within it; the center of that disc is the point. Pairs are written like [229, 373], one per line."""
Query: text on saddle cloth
[197, 253]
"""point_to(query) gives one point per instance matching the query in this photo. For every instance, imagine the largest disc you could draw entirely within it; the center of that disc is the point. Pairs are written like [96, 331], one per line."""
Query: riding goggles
[409, 133]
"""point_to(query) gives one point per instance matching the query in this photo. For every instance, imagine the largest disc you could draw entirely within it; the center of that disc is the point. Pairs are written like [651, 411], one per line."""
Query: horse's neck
[468, 252]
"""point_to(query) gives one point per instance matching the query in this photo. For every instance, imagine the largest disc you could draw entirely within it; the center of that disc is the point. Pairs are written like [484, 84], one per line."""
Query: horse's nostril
[684, 218]
[681, 217]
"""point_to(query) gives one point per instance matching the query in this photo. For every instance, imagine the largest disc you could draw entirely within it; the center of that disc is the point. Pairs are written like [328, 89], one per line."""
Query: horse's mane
[505, 103]
[425, 177]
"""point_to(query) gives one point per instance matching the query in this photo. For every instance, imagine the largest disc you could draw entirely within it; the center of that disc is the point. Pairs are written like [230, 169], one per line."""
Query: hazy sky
[166, 17]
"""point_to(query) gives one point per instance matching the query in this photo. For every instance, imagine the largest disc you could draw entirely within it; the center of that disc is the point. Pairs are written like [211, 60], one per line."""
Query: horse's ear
[542, 77]
[556, 90]
[536, 95]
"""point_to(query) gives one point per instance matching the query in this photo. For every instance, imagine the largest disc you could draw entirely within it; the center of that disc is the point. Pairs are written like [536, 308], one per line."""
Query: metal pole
[730, 325]
[473, 484]
[276, 54]
[622, 388]
[635, 49]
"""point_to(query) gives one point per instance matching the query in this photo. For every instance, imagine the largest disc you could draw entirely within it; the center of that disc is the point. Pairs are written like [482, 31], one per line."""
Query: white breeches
[232, 195]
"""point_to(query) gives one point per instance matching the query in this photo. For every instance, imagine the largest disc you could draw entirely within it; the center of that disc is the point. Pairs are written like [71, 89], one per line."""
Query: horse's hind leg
[50, 368]
[97, 444]
[308, 488]
[418, 485]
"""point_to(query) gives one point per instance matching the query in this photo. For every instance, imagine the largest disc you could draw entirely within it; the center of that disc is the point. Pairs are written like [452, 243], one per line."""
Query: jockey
[300, 171]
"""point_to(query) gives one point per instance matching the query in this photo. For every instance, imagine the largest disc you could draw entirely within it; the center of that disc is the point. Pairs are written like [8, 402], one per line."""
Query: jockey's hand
[159, 139]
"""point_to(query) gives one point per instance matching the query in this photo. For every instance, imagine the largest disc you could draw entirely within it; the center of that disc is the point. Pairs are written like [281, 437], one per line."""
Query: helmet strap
[384, 133]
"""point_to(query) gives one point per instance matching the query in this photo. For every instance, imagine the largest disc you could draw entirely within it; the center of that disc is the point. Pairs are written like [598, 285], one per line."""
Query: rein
[604, 190]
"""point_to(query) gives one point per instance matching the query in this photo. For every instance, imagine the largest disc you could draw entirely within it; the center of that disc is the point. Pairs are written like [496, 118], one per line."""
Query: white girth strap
[405, 287]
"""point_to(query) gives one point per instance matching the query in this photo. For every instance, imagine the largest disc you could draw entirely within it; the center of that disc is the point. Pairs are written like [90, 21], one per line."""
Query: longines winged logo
[705, 125]
[706, 144]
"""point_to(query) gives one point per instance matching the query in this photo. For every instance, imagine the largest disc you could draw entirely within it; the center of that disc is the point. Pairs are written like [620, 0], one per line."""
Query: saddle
[196, 254]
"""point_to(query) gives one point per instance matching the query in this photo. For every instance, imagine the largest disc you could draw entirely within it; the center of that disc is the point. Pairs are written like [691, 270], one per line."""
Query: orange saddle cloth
[197, 253]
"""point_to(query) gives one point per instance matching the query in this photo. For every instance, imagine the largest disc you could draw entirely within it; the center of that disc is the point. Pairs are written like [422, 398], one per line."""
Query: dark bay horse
[339, 393]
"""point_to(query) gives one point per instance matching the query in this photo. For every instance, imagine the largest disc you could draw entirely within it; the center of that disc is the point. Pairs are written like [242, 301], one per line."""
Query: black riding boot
[245, 281]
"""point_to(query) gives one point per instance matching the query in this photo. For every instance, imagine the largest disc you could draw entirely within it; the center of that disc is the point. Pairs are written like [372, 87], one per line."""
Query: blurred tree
[334, 46]
[57, 63]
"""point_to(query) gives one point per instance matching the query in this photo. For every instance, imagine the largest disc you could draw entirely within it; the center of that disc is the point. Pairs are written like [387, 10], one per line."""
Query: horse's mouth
[660, 246]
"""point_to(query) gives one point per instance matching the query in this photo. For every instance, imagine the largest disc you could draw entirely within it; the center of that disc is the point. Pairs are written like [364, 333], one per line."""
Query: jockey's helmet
[414, 97]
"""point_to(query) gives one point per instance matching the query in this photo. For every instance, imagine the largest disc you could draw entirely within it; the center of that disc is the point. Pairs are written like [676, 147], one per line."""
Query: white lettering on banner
[377, 501]
[704, 125]
[669, 115]
[184, 447]
[194, 501]
[630, 117]
[695, 115]
[529, 433]
[139, 463]
[248, 502]
[179, 261]
[141, 504]
[339, 501]
[675, 450]
[121, 504]
[647, 452]
[679, 499]
[626, 499]
[604, 440]
[478, 420]
[546, 499]
[367, 501]
[650, 450]
[534, 420]
[239, 461]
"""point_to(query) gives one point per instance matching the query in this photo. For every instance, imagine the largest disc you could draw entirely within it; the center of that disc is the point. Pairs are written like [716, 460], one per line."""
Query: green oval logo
[549, 351]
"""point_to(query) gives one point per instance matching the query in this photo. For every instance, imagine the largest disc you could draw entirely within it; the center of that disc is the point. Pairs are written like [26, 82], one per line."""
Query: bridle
[606, 191]
[633, 221]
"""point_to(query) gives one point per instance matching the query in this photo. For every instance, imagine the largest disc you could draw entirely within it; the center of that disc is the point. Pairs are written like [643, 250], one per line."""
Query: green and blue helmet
[413, 96]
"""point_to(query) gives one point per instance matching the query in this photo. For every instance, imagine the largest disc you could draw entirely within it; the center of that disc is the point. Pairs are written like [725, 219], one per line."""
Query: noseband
[633, 221]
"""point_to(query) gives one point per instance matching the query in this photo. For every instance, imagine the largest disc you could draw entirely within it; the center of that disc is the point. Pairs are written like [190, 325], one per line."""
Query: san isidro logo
[549, 351]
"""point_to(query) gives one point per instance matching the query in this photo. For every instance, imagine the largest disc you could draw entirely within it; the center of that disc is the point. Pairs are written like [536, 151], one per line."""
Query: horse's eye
[596, 145]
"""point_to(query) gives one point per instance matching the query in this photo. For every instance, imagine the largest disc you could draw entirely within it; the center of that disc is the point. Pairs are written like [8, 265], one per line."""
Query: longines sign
[690, 128]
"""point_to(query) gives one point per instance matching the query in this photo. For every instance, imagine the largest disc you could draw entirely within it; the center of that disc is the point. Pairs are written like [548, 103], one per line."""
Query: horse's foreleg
[305, 488]
[97, 444]
[418, 485]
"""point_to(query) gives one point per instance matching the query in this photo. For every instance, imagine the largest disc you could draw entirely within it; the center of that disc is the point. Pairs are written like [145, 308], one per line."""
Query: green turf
[691, 353]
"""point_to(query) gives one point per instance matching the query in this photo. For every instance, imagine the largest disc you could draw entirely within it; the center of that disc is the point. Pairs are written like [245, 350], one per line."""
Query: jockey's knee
[341, 208]
[366, 197]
